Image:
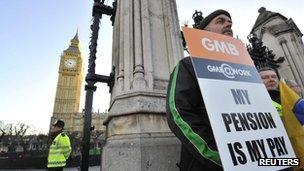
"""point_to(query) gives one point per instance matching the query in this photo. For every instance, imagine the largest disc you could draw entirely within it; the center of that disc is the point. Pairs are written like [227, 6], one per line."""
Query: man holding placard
[219, 108]
[193, 122]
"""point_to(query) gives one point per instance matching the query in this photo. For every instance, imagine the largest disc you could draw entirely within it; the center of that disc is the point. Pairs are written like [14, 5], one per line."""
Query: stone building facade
[282, 35]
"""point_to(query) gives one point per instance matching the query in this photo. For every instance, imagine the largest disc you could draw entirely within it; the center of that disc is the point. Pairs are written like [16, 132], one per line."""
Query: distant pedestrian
[60, 148]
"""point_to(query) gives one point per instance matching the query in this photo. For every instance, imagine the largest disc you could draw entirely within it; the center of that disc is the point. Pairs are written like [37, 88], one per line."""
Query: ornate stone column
[146, 47]
[290, 60]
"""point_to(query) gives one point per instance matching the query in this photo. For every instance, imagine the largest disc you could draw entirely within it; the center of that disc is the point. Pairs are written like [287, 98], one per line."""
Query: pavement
[93, 168]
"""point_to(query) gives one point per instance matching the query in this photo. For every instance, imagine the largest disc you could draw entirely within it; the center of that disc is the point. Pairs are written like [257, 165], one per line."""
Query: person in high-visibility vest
[60, 148]
[292, 123]
[271, 82]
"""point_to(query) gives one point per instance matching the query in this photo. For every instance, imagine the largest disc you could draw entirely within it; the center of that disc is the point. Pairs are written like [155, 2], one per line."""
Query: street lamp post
[91, 78]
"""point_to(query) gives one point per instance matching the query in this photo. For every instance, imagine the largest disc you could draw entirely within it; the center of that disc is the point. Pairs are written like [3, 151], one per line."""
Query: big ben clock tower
[69, 84]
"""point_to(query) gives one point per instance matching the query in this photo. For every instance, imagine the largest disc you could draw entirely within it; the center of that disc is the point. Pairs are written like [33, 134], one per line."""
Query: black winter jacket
[188, 120]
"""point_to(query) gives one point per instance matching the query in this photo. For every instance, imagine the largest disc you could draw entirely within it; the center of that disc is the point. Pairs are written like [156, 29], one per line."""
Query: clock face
[70, 63]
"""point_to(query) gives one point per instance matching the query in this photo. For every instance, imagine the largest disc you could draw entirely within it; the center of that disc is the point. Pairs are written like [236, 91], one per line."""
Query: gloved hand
[298, 109]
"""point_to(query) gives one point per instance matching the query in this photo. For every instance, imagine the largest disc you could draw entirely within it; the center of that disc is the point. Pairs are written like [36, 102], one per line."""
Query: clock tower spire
[69, 83]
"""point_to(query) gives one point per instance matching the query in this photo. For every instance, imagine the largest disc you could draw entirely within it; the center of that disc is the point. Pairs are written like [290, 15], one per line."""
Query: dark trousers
[55, 169]
[189, 163]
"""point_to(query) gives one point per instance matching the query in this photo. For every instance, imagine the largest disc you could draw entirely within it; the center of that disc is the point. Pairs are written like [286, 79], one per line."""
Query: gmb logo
[228, 71]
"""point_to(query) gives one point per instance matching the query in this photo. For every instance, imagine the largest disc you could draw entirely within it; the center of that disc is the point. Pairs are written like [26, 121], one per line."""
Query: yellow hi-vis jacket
[59, 152]
[278, 107]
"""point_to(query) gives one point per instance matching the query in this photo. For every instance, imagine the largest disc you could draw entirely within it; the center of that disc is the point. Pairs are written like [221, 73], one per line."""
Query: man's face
[220, 24]
[55, 129]
[270, 79]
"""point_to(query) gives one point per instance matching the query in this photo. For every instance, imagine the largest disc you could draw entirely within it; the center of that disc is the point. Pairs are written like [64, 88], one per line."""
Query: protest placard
[245, 124]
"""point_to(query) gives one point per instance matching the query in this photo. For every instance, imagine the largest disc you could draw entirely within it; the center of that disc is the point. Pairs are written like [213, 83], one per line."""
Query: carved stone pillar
[146, 47]
[290, 60]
